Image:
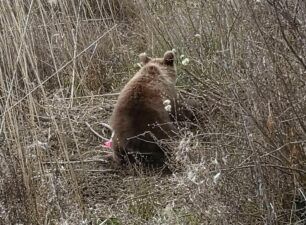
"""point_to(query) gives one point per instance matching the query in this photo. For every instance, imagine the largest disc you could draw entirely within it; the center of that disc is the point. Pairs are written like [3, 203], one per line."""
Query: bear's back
[140, 103]
[139, 117]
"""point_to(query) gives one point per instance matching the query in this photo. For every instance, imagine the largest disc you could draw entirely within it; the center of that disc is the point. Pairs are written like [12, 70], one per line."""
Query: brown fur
[139, 119]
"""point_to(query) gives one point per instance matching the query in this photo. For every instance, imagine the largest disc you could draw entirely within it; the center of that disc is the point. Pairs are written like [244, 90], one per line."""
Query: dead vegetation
[61, 65]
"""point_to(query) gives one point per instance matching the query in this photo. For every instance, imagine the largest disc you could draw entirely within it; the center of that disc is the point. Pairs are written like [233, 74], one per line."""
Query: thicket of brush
[61, 65]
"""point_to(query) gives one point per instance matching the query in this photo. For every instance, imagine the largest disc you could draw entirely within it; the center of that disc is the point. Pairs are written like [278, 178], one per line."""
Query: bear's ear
[169, 58]
[144, 59]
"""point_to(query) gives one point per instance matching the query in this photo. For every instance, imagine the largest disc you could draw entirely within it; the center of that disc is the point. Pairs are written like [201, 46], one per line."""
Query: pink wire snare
[109, 143]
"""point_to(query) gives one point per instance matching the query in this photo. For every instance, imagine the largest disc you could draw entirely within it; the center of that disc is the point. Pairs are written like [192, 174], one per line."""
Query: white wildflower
[197, 36]
[185, 62]
[216, 177]
[182, 56]
[166, 102]
[168, 108]
[138, 65]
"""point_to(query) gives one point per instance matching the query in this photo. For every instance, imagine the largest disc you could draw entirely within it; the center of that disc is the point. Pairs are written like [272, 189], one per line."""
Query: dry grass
[244, 161]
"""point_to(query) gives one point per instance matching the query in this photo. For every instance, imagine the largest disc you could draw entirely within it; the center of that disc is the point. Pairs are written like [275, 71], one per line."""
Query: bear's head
[166, 64]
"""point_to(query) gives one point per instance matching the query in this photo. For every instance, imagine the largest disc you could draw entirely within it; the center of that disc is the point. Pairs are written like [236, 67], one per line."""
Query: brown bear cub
[142, 117]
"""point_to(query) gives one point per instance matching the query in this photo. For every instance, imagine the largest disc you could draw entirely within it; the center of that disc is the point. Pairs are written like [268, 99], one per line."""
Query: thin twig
[74, 162]
[96, 133]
